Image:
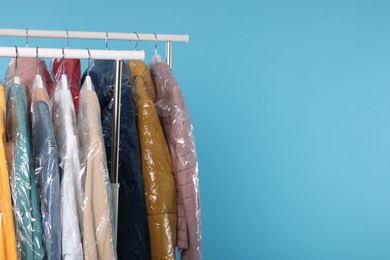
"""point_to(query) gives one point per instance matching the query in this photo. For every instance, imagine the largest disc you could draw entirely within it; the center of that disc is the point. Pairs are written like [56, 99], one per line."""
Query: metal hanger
[106, 40]
[89, 62]
[63, 62]
[135, 47]
[26, 38]
[16, 73]
[155, 44]
[36, 60]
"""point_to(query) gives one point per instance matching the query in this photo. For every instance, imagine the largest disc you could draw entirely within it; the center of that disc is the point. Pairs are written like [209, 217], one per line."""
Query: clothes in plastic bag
[178, 131]
[157, 170]
[64, 124]
[47, 176]
[22, 180]
[97, 217]
[72, 71]
[27, 69]
[132, 235]
[7, 227]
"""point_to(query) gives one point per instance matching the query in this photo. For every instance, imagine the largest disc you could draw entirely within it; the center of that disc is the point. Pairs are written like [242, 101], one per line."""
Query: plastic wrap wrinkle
[64, 123]
[97, 217]
[179, 133]
[157, 170]
[22, 181]
[7, 227]
[46, 169]
[133, 235]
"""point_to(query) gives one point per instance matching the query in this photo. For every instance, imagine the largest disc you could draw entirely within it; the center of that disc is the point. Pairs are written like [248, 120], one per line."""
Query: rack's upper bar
[93, 35]
[72, 53]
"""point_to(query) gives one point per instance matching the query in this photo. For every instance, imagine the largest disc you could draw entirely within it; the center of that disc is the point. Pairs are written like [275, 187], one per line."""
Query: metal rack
[117, 55]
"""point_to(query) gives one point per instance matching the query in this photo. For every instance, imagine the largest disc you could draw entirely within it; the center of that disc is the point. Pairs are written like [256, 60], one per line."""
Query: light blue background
[290, 102]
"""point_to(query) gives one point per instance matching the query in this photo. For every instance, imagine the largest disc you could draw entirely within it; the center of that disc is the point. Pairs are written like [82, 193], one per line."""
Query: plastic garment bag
[157, 171]
[7, 227]
[72, 72]
[24, 193]
[133, 236]
[45, 157]
[27, 71]
[97, 214]
[178, 130]
[64, 124]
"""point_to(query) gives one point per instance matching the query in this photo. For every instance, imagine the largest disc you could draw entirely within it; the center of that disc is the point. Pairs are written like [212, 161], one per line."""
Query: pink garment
[27, 69]
[178, 131]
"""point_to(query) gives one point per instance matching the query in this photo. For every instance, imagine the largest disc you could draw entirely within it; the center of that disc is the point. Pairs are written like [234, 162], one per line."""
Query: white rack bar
[93, 35]
[72, 53]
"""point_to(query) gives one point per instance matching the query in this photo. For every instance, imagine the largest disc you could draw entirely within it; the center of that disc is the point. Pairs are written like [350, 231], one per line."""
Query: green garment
[24, 193]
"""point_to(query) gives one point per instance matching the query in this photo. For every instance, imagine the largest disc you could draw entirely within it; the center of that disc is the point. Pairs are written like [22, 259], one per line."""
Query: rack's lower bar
[72, 53]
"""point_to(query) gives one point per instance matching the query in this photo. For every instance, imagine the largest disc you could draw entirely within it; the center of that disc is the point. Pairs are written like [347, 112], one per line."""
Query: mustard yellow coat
[7, 227]
[157, 171]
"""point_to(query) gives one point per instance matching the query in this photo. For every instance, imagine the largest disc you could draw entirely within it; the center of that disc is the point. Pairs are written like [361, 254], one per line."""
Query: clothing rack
[117, 55]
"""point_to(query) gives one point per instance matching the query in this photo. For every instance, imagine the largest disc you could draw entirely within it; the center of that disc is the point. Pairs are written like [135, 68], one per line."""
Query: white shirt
[64, 123]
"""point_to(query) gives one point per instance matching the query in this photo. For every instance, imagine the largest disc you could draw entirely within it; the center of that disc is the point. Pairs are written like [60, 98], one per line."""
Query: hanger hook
[26, 38]
[63, 62]
[135, 47]
[155, 44]
[89, 62]
[67, 39]
[36, 60]
[106, 40]
[16, 60]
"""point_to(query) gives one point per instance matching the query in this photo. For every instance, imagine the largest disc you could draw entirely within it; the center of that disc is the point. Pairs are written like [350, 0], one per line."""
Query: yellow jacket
[7, 227]
[157, 171]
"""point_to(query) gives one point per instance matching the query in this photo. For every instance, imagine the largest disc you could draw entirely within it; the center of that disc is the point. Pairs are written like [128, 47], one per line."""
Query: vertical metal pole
[116, 121]
[168, 53]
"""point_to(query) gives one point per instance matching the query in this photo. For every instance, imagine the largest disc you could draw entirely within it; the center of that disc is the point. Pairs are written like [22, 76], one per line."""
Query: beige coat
[97, 215]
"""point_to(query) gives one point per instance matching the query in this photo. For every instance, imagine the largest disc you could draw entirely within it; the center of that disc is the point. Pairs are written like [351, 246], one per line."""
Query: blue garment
[133, 234]
[47, 172]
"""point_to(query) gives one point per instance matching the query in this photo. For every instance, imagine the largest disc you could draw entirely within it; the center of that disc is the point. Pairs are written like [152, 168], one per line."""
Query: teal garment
[24, 193]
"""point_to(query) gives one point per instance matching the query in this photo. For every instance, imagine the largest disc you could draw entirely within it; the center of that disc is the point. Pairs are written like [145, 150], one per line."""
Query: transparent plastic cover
[157, 171]
[132, 234]
[71, 67]
[179, 134]
[26, 70]
[7, 227]
[47, 176]
[97, 214]
[64, 124]
[24, 194]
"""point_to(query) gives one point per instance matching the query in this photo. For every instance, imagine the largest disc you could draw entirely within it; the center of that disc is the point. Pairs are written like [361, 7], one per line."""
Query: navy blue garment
[45, 156]
[133, 235]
